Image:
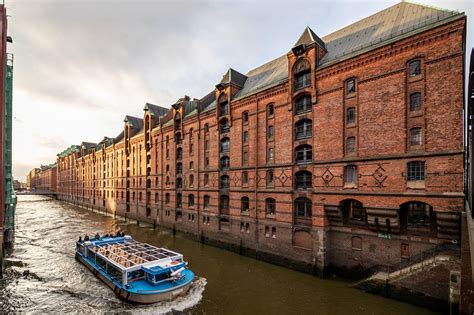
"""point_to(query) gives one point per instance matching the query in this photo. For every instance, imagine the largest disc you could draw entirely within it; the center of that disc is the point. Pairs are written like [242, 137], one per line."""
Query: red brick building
[43, 179]
[347, 151]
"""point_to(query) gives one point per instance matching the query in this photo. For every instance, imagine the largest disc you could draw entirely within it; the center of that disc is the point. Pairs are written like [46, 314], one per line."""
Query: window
[245, 137]
[179, 201]
[270, 133]
[303, 104]
[206, 201]
[167, 168]
[156, 198]
[245, 117]
[177, 121]
[303, 207]
[206, 128]
[191, 200]
[416, 171]
[350, 86]
[350, 145]
[191, 180]
[418, 214]
[223, 105]
[245, 178]
[415, 68]
[179, 183]
[206, 162]
[303, 129]
[224, 205]
[353, 211]
[303, 180]
[245, 204]
[270, 206]
[225, 163]
[191, 165]
[167, 147]
[270, 178]
[179, 153]
[271, 110]
[224, 126]
[415, 137]
[167, 180]
[351, 115]
[270, 156]
[206, 179]
[225, 182]
[206, 144]
[179, 168]
[225, 145]
[245, 158]
[350, 175]
[302, 74]
[167, 198]
[303, 154]
[415, 102]
[178, 138]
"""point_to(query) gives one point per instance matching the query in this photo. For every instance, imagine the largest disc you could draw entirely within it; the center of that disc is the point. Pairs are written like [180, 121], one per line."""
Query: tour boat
[136, 272]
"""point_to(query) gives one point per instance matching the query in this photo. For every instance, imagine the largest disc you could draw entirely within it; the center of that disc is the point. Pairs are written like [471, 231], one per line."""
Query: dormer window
[223, 105]
[302, 72]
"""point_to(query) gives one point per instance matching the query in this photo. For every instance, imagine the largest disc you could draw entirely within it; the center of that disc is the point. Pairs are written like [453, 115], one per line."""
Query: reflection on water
[43, 275]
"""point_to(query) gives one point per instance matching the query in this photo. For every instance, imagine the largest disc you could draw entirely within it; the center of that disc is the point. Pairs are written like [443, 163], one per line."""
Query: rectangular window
[415, 137]
[350, 86]
[415, 68]
[415, 101]
[271, 155]
[350, 145]
[246, 137]
[416, 171]
[245, 178]
[270, 133]
[350, 174]
[351, 115]
[245, 158]
[302, 80]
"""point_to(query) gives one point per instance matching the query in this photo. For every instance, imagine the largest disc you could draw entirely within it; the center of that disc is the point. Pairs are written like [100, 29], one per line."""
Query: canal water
[43, 275]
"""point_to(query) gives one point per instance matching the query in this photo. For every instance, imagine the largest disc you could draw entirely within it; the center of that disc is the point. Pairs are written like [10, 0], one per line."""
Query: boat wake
[181, 303]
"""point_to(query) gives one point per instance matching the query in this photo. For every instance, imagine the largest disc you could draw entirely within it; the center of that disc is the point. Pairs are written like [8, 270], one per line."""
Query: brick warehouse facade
[347, 151]
[43, 179]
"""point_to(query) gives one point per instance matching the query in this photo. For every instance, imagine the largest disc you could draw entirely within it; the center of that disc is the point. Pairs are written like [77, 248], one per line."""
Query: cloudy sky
[81, 65]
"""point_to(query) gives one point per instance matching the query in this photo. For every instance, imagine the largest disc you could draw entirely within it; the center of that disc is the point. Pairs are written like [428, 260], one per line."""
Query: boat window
[100, 262]
[114, 273]
[133, 275]
[161, 276]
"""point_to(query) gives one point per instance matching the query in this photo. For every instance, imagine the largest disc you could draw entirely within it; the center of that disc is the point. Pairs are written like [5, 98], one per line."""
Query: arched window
[303, 207]
[415, 101]
[304, 128]
[191, 200]
[224, 205]
[225, 182]
[224, 125]
[417, 216]
[302, 73]
[225, 144]
[303, 154]
[303, 104]
[179, 201]
[414, 68]
[353, 211]
[207, 201]
[270, 206]
[415, 171]
[191, 180]
[223, 105]
[179, 183]
[244, 204]
[225, 163]
[303, 180]
[179, 153]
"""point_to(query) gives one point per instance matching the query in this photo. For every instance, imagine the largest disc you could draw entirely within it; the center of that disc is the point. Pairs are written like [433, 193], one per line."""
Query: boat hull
[133, 297]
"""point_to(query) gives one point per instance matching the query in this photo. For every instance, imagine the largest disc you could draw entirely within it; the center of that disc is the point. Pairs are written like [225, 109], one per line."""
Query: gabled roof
[396, 22]
[208, 102]
[235, 77]
[309, 37]
[119, 137]
[156, 110]
[88, 145]
[135, 122]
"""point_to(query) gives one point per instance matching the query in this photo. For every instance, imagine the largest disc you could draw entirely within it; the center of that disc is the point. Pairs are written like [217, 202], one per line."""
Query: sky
[80, 66]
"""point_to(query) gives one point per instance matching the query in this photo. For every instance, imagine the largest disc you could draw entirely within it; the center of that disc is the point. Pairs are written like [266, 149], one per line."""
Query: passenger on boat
[80, 239]
[97, 236]
[86, 238]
